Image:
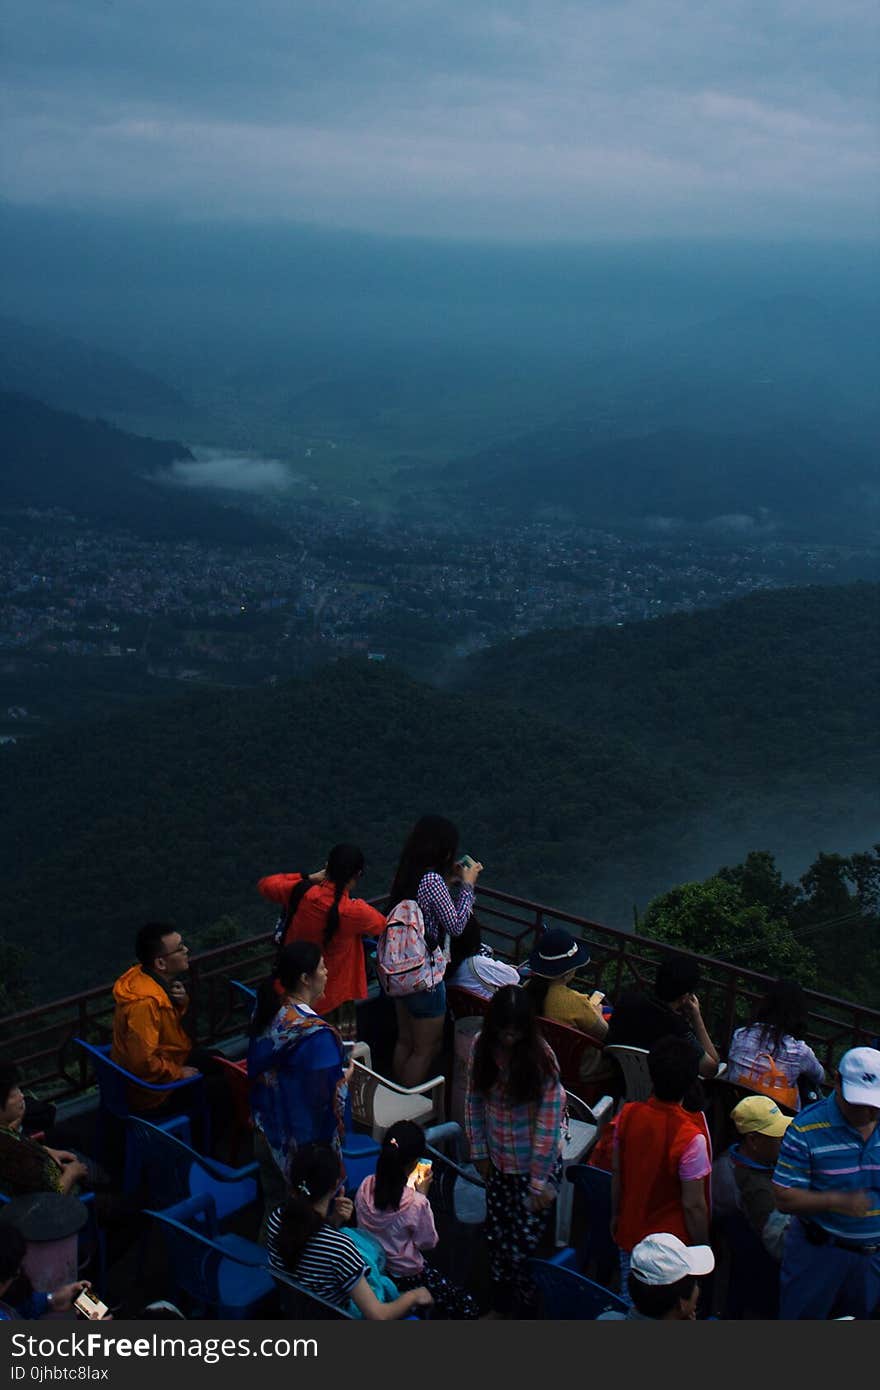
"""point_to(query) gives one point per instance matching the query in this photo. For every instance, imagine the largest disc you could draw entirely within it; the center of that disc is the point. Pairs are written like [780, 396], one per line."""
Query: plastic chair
[633, 1062]
[570, 1046]
[463, 1003]
[753, 1274]
[597, 1251]
[236, 1077]
[247, 995]
[174, 1172]
[378, 1103]
[223, 1275]
[584, 1124]
[299, 1302]
[566, 1294]
[113, 1086]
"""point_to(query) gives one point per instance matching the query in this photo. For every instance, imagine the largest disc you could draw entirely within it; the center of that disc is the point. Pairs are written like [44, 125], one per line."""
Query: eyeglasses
[182, 947]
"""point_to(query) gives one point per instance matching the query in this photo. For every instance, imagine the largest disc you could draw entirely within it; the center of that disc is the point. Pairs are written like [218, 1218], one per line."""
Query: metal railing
[40, 1039]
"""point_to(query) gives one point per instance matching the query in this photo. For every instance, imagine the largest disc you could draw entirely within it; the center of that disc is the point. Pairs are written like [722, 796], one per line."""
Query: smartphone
[464, 861]
[420, 1172]
[596, 997]
[88, 1305]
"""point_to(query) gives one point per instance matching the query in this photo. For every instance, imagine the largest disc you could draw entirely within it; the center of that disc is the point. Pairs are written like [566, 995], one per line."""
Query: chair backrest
[236, 1077]
[379, 1103]
[633, 1062]
[196, 1258]
[247, 995]
[300, 1302]
[463, 1003]
[566, 1294]
[597, 1250]
[113, 1080]
[570, 1046]
[173, 1172]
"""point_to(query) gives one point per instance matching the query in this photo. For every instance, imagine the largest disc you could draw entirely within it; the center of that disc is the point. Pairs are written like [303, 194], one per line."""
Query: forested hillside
[776, 682]
[53, 460]
[176, 812]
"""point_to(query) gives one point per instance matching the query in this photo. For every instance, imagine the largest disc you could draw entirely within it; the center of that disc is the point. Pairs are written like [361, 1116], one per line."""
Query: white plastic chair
[380, 1103]
[585, 1124]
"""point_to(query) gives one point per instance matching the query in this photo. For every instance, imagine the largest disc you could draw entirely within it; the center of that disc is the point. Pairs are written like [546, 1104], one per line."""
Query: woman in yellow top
[552, 965]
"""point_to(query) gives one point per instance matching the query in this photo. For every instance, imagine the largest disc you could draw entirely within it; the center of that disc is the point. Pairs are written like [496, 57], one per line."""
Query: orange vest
[652, 1135]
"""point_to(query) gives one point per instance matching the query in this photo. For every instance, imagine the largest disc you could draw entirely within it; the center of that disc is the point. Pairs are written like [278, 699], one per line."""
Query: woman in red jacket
[318, 907]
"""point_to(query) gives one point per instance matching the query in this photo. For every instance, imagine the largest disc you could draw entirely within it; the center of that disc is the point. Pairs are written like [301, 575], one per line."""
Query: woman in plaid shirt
[514, 1117]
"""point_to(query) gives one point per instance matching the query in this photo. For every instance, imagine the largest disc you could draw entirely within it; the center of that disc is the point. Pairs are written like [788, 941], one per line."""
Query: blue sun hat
[556, 953]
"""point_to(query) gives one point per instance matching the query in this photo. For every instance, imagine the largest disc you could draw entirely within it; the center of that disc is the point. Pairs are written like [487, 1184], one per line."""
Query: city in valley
[141, 614]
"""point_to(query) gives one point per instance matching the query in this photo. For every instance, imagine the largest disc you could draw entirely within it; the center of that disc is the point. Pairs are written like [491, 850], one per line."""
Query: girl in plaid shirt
[515, 1114]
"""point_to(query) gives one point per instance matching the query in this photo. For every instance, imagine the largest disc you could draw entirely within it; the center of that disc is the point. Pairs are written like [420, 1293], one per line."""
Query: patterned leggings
[512, 1233]
[450, 1301]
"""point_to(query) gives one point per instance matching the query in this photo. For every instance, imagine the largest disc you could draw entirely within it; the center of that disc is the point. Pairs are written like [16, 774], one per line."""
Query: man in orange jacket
[149, 1038]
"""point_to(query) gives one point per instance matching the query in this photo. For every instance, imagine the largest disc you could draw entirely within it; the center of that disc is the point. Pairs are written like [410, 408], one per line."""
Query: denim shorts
[428, 1003]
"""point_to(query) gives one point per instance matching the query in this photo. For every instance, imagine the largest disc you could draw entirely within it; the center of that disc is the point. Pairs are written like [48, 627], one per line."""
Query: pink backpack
[404, 964]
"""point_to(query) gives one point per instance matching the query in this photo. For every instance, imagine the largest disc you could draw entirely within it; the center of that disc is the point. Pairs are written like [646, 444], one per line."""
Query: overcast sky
[528, 119]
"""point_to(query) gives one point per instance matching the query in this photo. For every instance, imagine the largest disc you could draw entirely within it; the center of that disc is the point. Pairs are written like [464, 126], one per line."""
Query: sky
[534, 120]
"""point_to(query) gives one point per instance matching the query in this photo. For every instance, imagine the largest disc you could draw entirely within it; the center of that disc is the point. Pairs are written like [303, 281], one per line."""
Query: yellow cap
[760, 1115]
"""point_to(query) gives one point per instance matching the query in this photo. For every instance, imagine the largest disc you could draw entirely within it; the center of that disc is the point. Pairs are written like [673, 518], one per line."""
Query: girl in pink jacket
[393, 1207]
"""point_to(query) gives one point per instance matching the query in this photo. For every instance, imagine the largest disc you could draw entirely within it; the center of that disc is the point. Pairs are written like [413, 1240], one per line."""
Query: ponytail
[402, 1146]
[313, 1172]
[344, 862]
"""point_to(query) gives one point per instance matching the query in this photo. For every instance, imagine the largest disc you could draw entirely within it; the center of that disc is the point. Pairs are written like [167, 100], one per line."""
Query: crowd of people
[801, 1179]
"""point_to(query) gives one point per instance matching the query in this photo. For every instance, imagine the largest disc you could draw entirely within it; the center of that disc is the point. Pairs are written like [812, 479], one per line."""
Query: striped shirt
[330, 1264]
[524, 1139]
[821, 1153]
[791, 1055]
[445, 910]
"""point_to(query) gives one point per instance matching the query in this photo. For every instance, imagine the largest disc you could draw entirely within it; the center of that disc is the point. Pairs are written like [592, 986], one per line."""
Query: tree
[714, 918]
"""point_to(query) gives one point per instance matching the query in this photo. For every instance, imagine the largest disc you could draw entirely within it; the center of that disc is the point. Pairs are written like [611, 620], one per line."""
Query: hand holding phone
[420, 1177]
[89, 1305]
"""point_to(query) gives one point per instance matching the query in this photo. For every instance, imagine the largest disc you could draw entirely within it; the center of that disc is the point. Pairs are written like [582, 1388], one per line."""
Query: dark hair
[13, 1248]
[466, 944]
[10, 1077]
[530, 1063]
[295, 960]
[674, 1064]
[344, 862]
[656, 1300]
[402, 1147]
[148, 942]
[313, 1172]
[432, 844]
[782, 1010]
[536, 987]
[676, 975]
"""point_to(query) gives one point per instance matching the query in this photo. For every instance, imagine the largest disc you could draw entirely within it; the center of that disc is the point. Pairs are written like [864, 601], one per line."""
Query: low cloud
[233, 472]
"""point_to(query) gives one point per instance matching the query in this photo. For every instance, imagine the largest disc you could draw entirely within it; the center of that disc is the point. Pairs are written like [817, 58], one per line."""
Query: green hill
[778, 681]
[177, 812]
[51, 459]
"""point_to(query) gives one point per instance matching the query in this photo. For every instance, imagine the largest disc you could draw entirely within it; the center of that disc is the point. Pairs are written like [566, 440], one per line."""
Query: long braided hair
[344, 862]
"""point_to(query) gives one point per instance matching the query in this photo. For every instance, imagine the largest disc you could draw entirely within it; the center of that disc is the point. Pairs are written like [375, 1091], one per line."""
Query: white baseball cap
[664, 1259]
[860, 1076]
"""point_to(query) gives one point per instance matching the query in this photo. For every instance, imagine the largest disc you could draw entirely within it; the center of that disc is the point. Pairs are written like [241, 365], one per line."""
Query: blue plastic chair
[360, 1153]
[173, 1171]
[113, 1087]
[223, 1275]
[569, 1295]
[597, 1251]
[247, 995]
